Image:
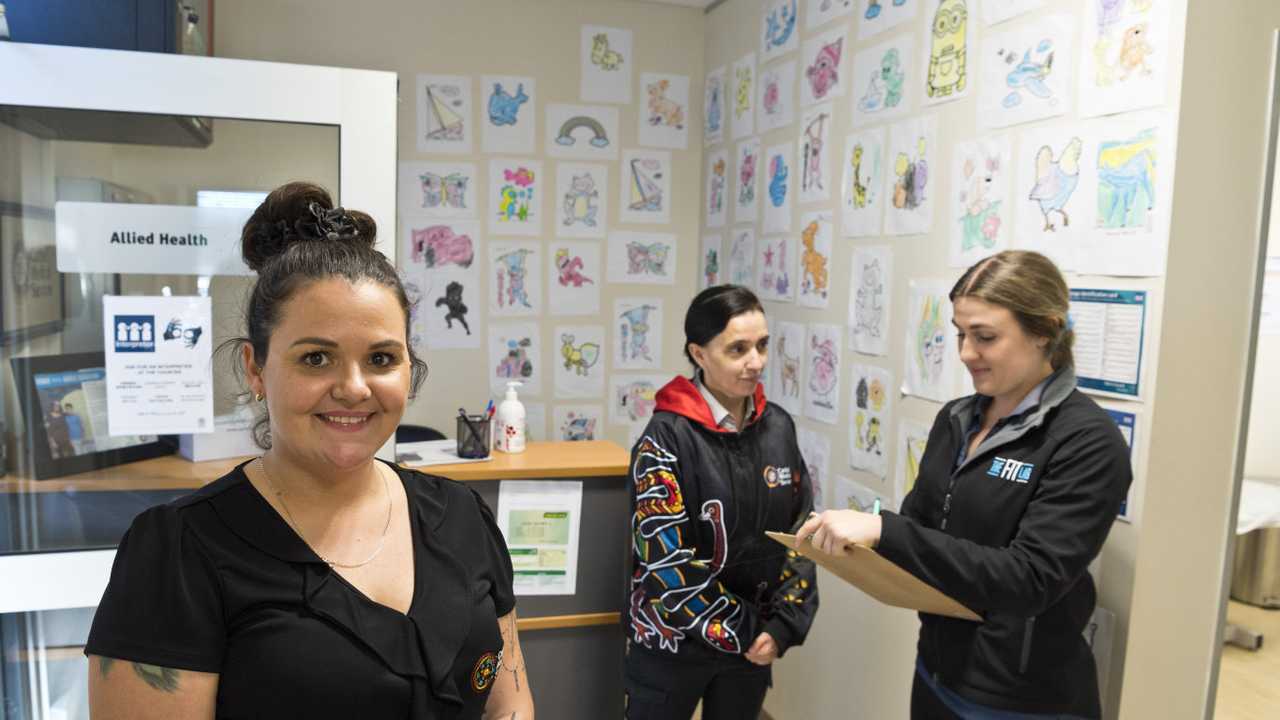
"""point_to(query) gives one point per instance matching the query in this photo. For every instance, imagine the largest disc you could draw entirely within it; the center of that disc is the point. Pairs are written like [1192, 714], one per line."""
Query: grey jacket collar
[1061, 384]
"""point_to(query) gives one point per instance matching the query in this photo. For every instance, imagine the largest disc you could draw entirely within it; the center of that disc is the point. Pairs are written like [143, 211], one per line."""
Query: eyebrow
[975, 326]
[325, 342]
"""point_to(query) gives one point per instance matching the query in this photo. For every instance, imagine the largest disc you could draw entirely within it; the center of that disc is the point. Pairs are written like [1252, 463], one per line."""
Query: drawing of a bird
[1056, 181]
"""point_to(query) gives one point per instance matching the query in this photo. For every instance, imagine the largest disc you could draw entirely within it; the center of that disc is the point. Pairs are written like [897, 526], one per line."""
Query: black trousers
[661, 687]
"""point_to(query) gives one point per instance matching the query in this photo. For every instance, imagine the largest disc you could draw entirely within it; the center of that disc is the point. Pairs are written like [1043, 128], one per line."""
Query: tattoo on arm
[510, 640]
[160, 678]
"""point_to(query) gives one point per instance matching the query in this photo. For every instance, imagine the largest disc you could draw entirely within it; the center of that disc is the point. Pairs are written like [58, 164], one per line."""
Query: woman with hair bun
[315, 580]
[1017, 490]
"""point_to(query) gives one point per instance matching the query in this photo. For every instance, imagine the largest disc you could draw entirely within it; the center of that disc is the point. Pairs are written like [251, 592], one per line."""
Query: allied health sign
[149, 239]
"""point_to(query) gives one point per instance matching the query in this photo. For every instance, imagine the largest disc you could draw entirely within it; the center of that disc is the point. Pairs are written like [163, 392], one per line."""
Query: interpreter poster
[540, 521]
[159, 364]
[1127, 422]
[1109, 327]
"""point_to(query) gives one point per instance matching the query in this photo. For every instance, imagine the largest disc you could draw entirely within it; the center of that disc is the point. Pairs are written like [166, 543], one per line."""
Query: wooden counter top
[597, 458]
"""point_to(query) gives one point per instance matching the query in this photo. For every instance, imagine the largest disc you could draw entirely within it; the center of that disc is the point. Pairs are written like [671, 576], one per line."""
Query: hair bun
[300, 212]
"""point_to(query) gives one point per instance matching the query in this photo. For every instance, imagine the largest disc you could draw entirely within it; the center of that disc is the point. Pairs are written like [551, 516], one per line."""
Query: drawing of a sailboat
[442, 122]
[645, 193]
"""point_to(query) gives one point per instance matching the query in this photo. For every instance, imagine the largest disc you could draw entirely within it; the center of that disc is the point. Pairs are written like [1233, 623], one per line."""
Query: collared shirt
[723, 418]
[1031, 401]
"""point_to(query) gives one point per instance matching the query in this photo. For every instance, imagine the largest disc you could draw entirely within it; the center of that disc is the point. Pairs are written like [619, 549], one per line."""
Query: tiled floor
[1249, 682]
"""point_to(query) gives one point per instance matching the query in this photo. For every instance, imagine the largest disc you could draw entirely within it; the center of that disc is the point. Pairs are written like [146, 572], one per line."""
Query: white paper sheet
[847, 494]
[884, 82]
[1051, 206]
[664, 111]
[779, 29]
[439, 244]
[541, 521]
[1126, 56]
[579, 363]
[515, 353]
[444, 114]
[159, 362]
[775, 96]
[632, 398]
[515, 196]
[716, 210]
[871, 416]
[746, 193]
[780, 178]
[878, 16]
[912, 438]
[432, 452]
[509, 123]
[582, 132]
[637, 333]
[448, 316]
[645, 187]
[607, 62]
[870, 298]
[980, 211]
[714, 111]
[740, 265]
[932, 366]
[581, 200]
[1109, 326]
[814, 153]
[947, 49]
[815, 448]
[643, 258]
[515, 278]
[909, 184]
[439, 190]
[816, 232]
[710, 270]
[575, 423]
[574, 278]
[776, 268]
[743, 84]
[789, 342]
[824, 64]
[822, 391]
[1027, 73]
[821, 12]
[862, 191]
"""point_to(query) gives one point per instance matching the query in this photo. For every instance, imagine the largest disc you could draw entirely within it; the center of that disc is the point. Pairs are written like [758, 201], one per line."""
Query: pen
[875, 508]
[488, 409]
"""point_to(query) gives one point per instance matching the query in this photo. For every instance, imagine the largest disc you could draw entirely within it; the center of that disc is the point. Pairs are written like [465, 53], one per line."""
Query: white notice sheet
[540, 520]
[1109, 327]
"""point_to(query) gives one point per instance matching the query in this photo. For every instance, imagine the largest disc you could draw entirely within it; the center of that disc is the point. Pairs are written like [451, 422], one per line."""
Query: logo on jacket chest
[1011, 470]
[777, 476]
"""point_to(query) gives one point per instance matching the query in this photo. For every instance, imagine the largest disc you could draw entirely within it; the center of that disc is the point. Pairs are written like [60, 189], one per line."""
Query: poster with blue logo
[159, 353]
[1110, 327]
[1127, 422]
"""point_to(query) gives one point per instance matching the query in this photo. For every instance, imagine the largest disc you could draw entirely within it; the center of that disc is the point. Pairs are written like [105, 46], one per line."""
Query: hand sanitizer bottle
[510, 422]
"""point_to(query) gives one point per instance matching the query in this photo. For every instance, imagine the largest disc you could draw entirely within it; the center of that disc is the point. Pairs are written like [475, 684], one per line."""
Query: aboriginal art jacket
[706, 580]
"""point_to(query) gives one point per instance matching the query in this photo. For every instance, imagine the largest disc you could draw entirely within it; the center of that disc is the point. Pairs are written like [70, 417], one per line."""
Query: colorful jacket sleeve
[675, 593]
[795, 603]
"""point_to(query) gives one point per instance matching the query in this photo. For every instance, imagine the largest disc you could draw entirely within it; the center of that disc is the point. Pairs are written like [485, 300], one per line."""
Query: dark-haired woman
[315, 581]
[1017, 490]
[713, 600]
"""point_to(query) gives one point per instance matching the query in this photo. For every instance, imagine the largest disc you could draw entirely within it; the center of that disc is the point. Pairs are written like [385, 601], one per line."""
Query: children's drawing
[438, 190]
[439, 245]
[1027, 73]
[907, 187]
[1127, 181]
[847, 494]
[778, 181]
[717, 208]
[454, 306]
[932, 363]
[583, 132]
[713, 109]
[998, 11]
[579, 365]
[823, 74]
[779, 34]
[444, 114]
[820, 12]
[872, 275]
[822, 391]
[514, 354]
[863, 185]
[815, 175]
[742, 252]
[712, 255]
[789, 342]
[912, 437]
[637, 329]
[1125, 60]
[443, 302]
[646, 187]
[980, 210]
[776, 268]
[877, 16]
[574, 279]
[648, 258]
[516, 279]
[576, 423]
[606, 64]
[581, 200]
[632, 398]
[815, 448]
[743, 82]
[747, 186]
[1050, 207]
[515, 198]
[948, 55]
[776, 96]
[815, 259]
[882, 81]
[871, 417]
[510, 123]
[664, 112]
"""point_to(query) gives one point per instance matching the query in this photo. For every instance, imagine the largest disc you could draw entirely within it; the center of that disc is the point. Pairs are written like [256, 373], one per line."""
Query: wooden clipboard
[871, 573]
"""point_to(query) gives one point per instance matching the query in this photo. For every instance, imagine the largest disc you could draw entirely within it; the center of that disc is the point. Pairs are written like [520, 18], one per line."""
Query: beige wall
[498, 37]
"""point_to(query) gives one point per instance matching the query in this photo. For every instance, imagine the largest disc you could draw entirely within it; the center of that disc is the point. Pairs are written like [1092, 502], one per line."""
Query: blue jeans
[933, 701]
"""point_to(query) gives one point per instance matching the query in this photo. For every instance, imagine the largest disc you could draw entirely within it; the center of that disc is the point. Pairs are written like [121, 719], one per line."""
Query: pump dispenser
[510, 429]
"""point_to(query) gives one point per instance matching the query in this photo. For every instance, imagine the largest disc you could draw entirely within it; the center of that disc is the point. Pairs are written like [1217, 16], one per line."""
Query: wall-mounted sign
[149, 239]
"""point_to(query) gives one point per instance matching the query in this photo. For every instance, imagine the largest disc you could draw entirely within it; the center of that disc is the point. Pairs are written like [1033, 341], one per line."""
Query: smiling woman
[315, 580]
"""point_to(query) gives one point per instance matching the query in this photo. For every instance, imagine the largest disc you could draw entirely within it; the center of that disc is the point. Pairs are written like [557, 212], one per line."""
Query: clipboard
[871, 573]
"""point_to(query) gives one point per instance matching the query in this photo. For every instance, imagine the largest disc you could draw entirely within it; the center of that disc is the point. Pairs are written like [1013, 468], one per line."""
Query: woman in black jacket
[1017, 490]
[713, 601]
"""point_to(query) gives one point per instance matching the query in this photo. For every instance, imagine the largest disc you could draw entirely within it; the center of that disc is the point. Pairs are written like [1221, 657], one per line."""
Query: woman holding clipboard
[1018, 488]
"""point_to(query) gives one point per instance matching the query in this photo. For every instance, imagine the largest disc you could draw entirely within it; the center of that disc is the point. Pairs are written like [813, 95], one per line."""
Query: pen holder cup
[474, 436]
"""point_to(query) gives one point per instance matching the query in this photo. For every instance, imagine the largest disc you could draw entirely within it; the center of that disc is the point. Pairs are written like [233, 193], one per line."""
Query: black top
[1010, 534]
[217, 582]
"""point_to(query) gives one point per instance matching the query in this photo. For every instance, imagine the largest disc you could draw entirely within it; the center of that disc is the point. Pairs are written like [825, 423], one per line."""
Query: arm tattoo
[510, 639]
[160, 678]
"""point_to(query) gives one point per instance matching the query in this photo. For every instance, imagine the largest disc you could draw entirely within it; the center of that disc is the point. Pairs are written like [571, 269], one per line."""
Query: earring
[258, 397]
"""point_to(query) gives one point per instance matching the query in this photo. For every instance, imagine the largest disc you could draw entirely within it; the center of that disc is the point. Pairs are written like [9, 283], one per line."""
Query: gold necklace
[382, 541]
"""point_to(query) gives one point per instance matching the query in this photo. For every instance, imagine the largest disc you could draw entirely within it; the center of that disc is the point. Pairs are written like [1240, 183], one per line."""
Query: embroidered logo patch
[485, 671]
[1012, 470]
[777, 476]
